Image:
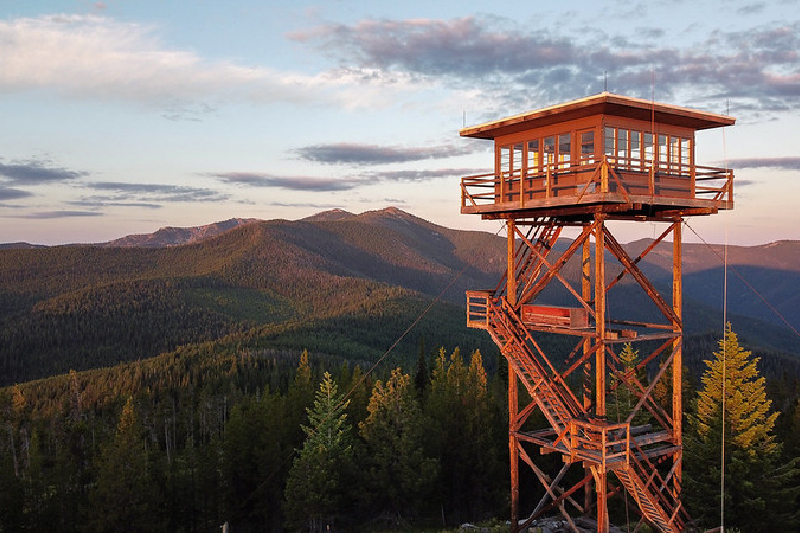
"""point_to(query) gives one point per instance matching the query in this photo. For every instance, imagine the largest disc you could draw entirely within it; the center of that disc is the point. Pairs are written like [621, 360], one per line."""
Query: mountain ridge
[336, 282]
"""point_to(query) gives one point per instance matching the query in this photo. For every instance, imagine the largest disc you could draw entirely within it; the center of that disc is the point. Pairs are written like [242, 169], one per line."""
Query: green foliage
[757, 484]
[317, 483]
[399, 477]
[124, 498]
[464, 434]
[621, 402]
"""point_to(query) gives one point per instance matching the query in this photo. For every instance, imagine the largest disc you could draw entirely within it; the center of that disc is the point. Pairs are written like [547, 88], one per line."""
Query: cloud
[61, 214]
[424, 175]
[464, 46]
[293, 183]
[34, 172]
[305, 205]
[370, 154]
[94, 56]
[778, 163]
[523, 66]
[145, 194]
[10, 193]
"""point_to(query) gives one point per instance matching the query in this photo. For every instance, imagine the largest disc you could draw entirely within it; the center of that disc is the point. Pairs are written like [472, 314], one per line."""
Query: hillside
[347, 286]
[336, 282]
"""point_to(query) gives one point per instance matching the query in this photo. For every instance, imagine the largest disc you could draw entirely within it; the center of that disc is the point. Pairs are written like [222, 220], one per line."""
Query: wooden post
[511, 286]
[600, 312]
[600, 360]
[586, 294]
[602, 502]
[513, 397]
[677, 349]
[513, 450]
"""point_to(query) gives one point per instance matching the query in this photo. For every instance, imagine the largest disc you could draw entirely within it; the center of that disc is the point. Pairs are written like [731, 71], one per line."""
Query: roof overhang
[600, 104]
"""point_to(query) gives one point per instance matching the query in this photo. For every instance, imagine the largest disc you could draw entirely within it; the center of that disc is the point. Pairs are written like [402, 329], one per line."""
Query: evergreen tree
[622, 401]
[757, 487]
[399, 476]
[124, 498]
[317, 484]
[466, 437]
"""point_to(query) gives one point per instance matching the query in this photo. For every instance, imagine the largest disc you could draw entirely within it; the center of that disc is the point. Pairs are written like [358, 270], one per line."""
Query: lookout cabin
[628, 157]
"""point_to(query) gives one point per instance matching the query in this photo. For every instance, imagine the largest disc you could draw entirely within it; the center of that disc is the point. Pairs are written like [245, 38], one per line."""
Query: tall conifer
[317, 484]
[759, 491]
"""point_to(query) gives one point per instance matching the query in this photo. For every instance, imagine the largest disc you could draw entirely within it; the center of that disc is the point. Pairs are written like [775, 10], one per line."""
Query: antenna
[605, 81]
[465, 119]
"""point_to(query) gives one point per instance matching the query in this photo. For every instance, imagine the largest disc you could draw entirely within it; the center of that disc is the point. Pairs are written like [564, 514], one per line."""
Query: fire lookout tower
[581, 164]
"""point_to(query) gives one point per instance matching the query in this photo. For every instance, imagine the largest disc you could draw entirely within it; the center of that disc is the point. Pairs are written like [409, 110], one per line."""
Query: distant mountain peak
[332, 214]
[174, 236]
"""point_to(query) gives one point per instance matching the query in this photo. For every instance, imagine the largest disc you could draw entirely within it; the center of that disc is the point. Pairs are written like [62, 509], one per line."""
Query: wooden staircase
[564, 413]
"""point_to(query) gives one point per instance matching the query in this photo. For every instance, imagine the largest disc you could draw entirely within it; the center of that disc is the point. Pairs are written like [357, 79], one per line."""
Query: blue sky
[124, 116]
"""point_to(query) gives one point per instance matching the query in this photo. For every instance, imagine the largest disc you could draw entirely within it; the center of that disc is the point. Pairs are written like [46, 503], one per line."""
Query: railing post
[604, 175]
[548, 180]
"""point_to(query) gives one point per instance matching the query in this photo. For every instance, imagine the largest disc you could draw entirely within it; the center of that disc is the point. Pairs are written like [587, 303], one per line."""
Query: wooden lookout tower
[581, 164]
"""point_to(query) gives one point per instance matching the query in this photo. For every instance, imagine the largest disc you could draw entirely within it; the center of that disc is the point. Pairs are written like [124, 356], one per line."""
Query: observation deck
[624, 156]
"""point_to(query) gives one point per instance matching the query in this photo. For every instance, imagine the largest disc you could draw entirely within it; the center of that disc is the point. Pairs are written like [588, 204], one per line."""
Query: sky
[124, 116]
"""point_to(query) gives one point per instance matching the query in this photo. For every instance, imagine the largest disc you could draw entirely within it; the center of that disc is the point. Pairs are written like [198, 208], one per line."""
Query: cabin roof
[600, 104]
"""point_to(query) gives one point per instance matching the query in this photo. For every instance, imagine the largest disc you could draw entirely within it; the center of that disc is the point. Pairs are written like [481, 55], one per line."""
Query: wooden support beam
[677, 353]
[513, 447]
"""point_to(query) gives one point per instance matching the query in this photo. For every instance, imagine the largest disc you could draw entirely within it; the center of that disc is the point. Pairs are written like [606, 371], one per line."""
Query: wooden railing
[609, 175]
[600, 442]
[478, 309]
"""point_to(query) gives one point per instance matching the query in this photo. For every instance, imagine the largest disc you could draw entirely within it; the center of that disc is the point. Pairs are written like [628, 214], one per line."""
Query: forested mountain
[189, 367]
[335, 282]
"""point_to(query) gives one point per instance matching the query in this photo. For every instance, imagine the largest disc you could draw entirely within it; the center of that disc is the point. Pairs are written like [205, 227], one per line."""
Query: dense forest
[184, 387]
[193, 439]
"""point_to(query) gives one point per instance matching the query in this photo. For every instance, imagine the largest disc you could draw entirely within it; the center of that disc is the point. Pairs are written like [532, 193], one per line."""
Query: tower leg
[602, 502]
[513, 448]
[586, 294]
[677, 359]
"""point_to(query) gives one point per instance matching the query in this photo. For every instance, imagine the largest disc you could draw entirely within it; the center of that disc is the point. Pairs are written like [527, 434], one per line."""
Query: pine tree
[318, 481]
[124, 498]
[622, 401]
[399, 476]
[757, 487]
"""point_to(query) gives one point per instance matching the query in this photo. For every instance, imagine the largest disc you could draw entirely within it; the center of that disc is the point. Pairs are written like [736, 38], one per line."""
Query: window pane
[686, 151]
[622, 144]
[608, 141]
[549, 149]
[636, 148]
[505, 158]
[648, 148]
[587, 147]
[661, 151]
[564, 149]
[534, 158]
[516, 164]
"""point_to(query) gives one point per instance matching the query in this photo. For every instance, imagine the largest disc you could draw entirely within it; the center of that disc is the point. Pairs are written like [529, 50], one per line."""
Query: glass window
[648, 148]
[686, 151]
[608, 141]
[564, 149]
[505, 159]
[516, 158]
[636, 149]
[622, 145]
[534, 157]
[549, 148]
[675, 151]
[661, 149]
[587, 147]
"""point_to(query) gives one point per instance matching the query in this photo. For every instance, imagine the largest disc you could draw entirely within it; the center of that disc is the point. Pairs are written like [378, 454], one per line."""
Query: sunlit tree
[317, 483]
[759, 490]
